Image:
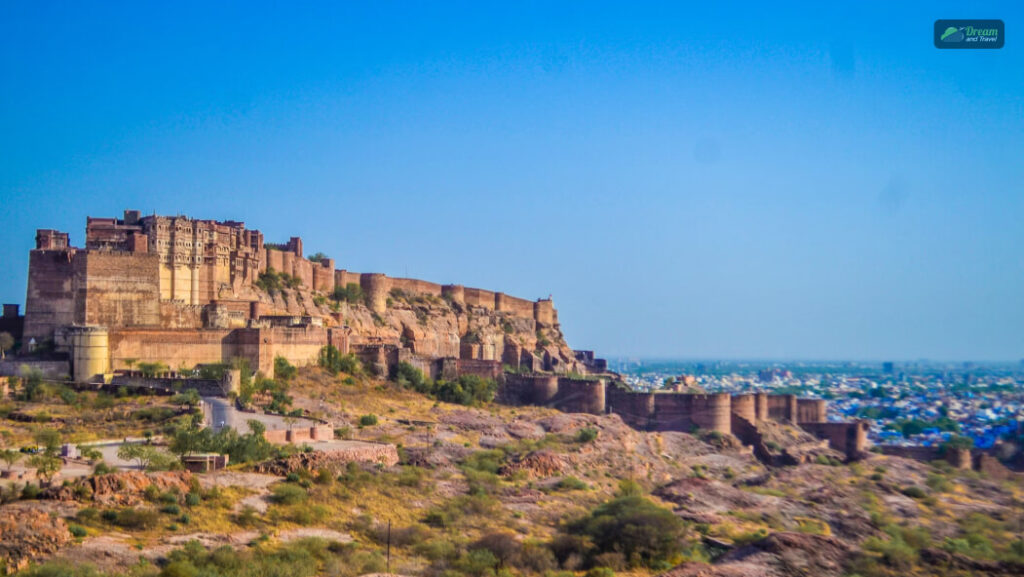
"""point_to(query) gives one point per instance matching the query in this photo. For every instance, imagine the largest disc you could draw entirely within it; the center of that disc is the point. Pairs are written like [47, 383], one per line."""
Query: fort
[183, 292]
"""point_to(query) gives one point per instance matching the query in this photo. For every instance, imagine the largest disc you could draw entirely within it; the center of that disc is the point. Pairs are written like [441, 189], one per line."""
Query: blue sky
[737, 181]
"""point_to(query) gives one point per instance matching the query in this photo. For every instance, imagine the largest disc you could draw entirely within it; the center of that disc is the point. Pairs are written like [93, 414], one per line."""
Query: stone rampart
[475, 297]
[811, 411]
[782, 407]
[635, 408]
[745, 406]
[685, 412]
[580, 396]
[415, 286]
[848, 438]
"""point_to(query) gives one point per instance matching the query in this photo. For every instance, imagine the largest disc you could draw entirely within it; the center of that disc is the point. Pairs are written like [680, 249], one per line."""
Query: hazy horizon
[764, 182]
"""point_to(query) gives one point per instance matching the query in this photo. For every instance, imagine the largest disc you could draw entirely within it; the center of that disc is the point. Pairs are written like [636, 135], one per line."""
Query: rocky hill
[495, 490]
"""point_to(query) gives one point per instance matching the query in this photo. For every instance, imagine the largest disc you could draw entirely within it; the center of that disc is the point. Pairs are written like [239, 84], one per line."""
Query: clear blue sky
[740, 181]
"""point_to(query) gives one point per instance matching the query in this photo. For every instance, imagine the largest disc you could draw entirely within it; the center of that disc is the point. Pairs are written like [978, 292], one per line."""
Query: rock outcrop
[27, 531]
[123, 488]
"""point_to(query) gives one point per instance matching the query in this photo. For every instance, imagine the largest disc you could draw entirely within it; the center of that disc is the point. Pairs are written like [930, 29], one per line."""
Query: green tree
[189, 398]
[643, 532]
[9, 456]
[143, 454]
[190, 438]
[283, 370]
[152, 369]
[31, 384]
[6, 342]
[47, 463]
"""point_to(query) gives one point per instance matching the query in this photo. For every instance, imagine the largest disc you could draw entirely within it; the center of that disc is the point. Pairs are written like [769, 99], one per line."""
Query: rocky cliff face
[435, 327]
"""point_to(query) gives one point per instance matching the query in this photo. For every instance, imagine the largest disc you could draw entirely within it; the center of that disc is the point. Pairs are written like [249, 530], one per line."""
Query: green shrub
[288, 494]
[171, 509]
[600, 572]
[571, 484]
[331, 360]
[586, 435]
[77, 531]
[914, 492]
[136, 518]
[645, 533]
[368, 420]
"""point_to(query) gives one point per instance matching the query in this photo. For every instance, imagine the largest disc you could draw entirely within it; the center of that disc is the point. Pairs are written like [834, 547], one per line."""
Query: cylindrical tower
[744, 406]
[90, 353]
[761, 406]
[545, 388]
[454, 292]
[375, 288]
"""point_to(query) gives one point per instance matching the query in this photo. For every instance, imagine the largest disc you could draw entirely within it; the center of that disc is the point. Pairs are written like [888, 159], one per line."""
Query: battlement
[684, 412]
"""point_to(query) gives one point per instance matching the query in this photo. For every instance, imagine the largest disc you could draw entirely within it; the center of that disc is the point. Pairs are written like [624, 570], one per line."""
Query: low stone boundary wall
[332, 459]
[299, 435]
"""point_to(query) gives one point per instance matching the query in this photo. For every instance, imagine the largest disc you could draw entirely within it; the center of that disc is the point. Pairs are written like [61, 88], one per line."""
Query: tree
[9, 456]
[6, 342]
[316, 257]
[90, 452]
[46, 465]
[643, 532]
[283, 370]
[48, 462]
[152, 369]
[142, 454]
[31, 384]
[189, 398]
[190, 438]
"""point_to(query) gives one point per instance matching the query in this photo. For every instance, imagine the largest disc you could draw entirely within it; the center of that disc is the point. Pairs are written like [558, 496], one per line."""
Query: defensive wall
[686, 412]
[851, 439]
[958, 458]
[977, 459]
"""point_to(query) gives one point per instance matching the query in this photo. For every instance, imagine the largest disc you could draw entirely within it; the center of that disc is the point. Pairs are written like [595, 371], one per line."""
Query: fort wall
[475, 297]
[959, 458]
[517, 306]
[415, 286]
[454, 292]
[544, 312]
[782, 407]
[323, 275]
[480, 368]
[50, 300]
[343, 278]
[849, 438]
[375, 287]
[635, 408]
[761, 405]
[811, 411]
[580, 396]
[685, 412]
[121, 289]
[745, 407]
